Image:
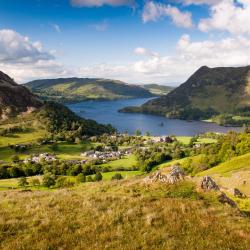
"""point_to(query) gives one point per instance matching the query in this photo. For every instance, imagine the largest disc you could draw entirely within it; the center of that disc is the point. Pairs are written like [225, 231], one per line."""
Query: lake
[106, 112]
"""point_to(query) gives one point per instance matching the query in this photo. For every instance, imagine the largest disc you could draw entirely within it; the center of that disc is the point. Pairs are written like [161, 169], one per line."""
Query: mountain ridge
[208, 92]
[19, 103]
[66, 90]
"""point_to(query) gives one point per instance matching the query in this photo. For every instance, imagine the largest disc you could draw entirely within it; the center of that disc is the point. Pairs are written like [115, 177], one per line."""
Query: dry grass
[119, 215]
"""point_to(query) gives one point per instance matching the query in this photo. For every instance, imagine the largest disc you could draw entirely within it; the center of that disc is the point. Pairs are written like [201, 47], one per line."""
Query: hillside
[119, 215]
[157, 89]
[80, 89]
[208, 92]
[20, 108]
[14, 98]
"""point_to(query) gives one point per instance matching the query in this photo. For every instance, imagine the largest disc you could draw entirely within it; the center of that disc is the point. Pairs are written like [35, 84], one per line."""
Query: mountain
[157, 89]
[14, 98]
[19, 104]
[208, 92]
[79, 89]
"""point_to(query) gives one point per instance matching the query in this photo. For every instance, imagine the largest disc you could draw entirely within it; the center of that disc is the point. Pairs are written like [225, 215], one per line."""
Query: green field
[126, 162]
[186, 140]
[63, 150]
[22, 138]
[12, 183]
[125, 174]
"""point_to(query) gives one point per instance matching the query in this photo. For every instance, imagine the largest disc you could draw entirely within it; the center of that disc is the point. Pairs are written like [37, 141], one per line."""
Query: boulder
[238, 193]
[209, 184]
[223, 198]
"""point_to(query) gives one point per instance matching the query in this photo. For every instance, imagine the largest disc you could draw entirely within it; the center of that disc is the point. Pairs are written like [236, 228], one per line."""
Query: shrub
[182, 190]
[81, 178]
[15, 158]
[35, 182]
[89, 179]
[22, 182]
[49, 179]
[117, 176]
[63, 181]
[98, 176]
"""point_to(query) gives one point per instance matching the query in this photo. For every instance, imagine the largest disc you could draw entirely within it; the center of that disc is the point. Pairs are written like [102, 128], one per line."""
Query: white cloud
[100, 3]
[188, 57]
[25, 60]
[200, 2]
[101, 27]
[16, 48]
[154, 11]
[57, 28]
[144, 52]
[228, 15]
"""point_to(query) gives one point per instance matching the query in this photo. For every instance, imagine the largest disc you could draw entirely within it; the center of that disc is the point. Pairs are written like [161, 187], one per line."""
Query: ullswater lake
[106, 112]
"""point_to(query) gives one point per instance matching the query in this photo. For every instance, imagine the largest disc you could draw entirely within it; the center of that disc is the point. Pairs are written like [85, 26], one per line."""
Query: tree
[138, 132]
[49, 179]
[117, 176]
[98, 176]
[22, 182]
[35, 182]
[89, 179]
[81, 178]
[148, 133]
[15, 158]
[64, 181]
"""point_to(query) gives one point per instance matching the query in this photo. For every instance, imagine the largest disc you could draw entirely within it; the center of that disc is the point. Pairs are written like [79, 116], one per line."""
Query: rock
[238, 193]
[209, 184]
[223, 198]
[176, 174]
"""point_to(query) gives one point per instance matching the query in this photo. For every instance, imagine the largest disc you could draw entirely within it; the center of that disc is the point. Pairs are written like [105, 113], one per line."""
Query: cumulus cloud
[187, 58]
[16, 48]
[200, 2]
[228, 15]
[26, 60]
[99, 3]
[144, 52]
[190, 55]
[154, 11]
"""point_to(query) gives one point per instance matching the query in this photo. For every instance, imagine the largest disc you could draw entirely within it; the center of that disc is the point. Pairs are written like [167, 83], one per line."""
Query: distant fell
[66, 90]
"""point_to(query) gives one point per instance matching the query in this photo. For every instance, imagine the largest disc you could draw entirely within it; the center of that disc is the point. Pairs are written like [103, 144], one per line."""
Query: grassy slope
[70, 90]
[126, 162]
[119, 215]
[236, 163]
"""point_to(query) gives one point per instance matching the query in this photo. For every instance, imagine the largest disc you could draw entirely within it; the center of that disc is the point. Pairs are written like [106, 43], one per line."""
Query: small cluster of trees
[228, 146]
[159, 153]
[14, 129]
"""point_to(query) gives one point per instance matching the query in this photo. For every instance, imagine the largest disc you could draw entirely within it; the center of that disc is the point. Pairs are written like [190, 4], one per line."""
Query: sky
[136, 41]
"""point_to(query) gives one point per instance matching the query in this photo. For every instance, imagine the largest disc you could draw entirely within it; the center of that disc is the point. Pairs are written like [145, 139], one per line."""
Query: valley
[129, 175]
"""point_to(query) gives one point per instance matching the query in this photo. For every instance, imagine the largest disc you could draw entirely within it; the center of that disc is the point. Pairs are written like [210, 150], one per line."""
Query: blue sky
[134, 41]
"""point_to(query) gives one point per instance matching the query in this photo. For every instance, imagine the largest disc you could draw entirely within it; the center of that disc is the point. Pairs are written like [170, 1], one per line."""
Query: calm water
[107, 112]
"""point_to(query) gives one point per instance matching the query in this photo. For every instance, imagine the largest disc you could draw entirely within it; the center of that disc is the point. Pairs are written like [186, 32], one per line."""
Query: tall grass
[119, 215]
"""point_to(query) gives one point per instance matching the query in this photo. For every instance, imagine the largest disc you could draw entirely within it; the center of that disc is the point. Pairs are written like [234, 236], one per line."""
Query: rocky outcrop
[209, 184]
[176, 174]
[224, 199]
[238, 193]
